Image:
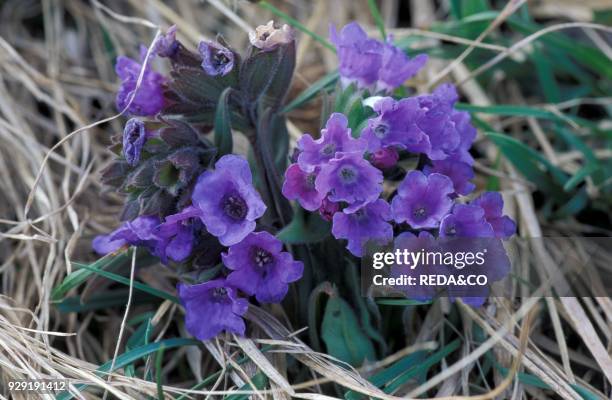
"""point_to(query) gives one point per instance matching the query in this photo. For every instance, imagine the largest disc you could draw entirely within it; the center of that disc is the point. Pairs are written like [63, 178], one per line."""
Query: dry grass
[56, 117]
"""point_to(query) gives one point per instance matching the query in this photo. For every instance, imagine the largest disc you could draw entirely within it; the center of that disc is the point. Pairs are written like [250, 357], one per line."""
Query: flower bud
[328, 209]
[267, 37]
[384, 158]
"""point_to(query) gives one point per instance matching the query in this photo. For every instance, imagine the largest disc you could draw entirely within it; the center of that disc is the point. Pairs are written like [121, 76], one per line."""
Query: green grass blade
[137, 285]
[377, 18]
[422, 367]
[159, 358]
[506, 110]
[580, 176]
[79, 276]
[530, 163]
[260, 381]
[130, 357]
[325, 82]
[103, 301]
[401, 302]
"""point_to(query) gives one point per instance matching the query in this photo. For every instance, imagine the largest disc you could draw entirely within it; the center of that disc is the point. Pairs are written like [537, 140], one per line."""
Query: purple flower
[396, 125]
[138, 232]
[385, 157]
[167, 45]
[437, 123]
[300, 185]
[360, 57]
[350, 178]
[408, 241]
[216, 59]
[328, 209]
[466, 220]
[493, 205]
[134, 137]
[267, 37]
[227, 199]
[335, 137]
[467, 134]
[458, 172]
[369, 223]
[495, 265]
[212, 307]
[422, 200]
[261, 268]
[397, 67]
[175, 236]
[149, 98]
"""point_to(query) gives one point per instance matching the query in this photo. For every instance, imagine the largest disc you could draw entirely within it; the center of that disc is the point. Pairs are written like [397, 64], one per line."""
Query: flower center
[219, 293]
[264, 36]
[235, 207]
[359, 214]
[220, 59]
[262, 257]
[348, 174]
[134, 135]
[419, 212]
[381, 131]
[329, 149]
[310, 180]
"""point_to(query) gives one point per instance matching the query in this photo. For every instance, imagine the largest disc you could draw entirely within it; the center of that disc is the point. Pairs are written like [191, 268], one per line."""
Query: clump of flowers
[224, 222]
[189, 201]
[342, 171]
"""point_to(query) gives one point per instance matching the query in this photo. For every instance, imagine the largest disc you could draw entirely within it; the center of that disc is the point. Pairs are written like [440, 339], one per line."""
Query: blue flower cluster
[342, 176]
[194, 205]
[217, 205]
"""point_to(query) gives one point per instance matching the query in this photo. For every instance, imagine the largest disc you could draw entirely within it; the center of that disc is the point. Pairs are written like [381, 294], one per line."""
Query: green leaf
[343, 96]
[574, 205]
[377, 18]
[389, 374]
[281, 82]
[402, 302]
[422, 367]
[223, 125]
[531, 164]
[464, 9]
[588, 56]
[214, 376]
[356, 113]
[265, 151]
[546, 74]
[137, 285]
[268, 74]
[315, 302]
[524, 111]
[167, 175]
[279, 135]
[139, 338]
[342, 334]
[493, 184]
[304, 229]
[324, 83]
[580, 175]
[81, 275]
[103, 301]
[532, 380]
[130, 357]
[260, 380]
[159, 358]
